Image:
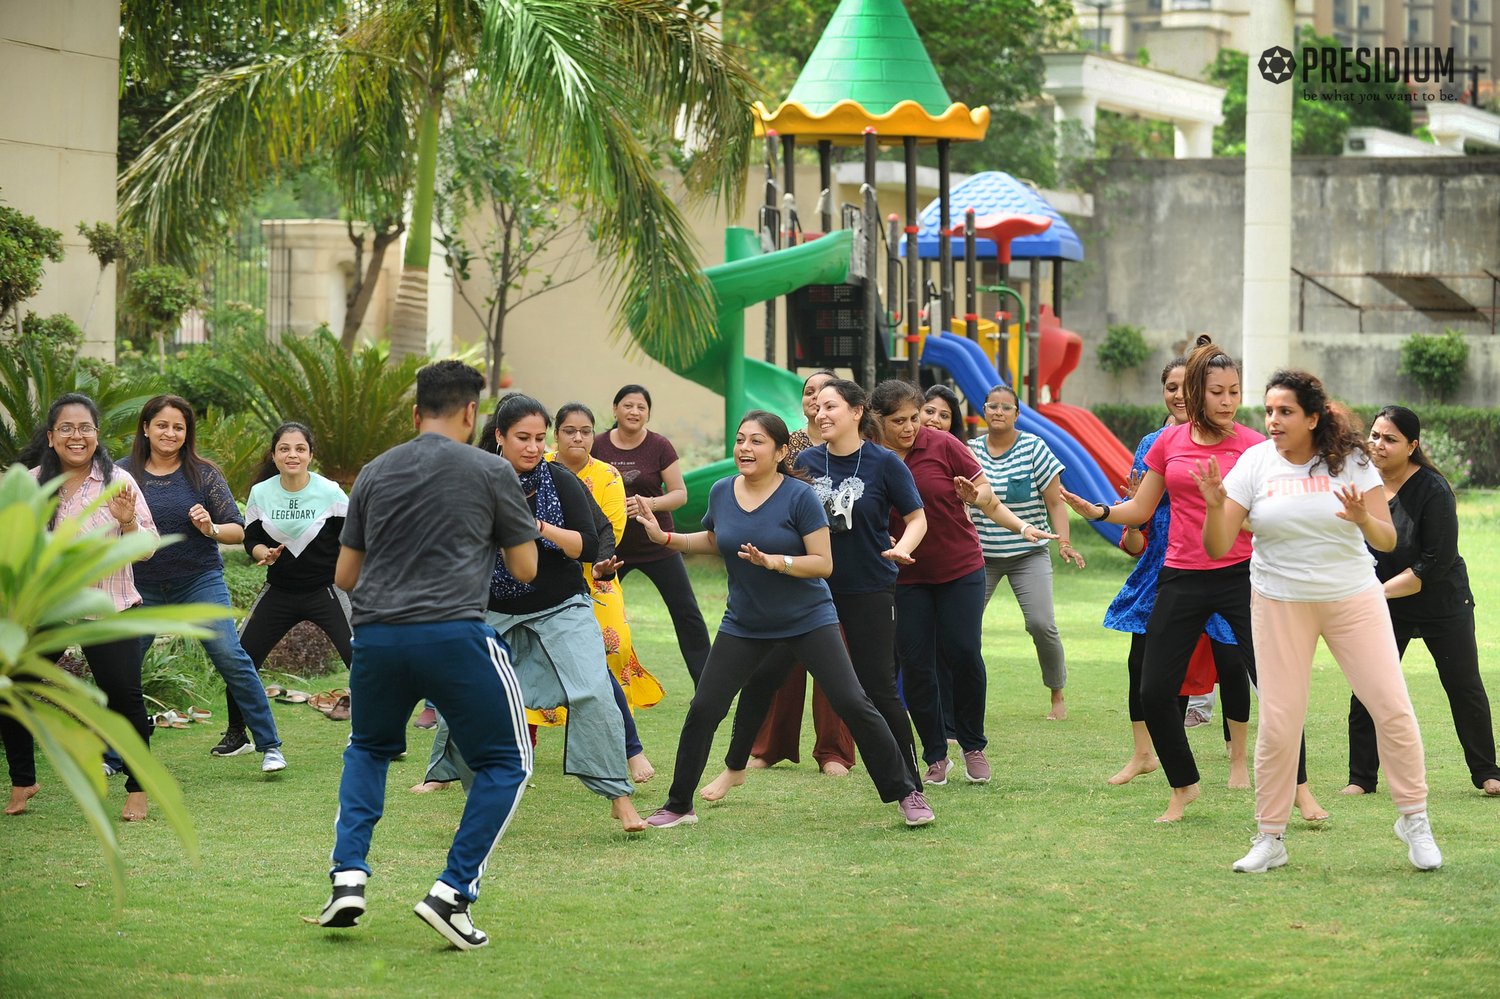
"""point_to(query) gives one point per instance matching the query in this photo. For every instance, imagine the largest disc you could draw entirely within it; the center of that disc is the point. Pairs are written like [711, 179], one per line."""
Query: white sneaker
[1416, 832]
[1267, 850]
[272, 762]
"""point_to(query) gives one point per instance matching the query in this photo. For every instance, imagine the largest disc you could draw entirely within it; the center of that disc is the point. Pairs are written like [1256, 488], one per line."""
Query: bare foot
[1239, 775]
[833, 768]
[1177, 807]
[1136, 766]
[135, 806]
[428, 786]
[1308, 806]
[18, 798]
[1356, 789]
[624, 810]
[721, 784]
[1059, 710]
[1491, 787]
[641, 769]
[756, 763]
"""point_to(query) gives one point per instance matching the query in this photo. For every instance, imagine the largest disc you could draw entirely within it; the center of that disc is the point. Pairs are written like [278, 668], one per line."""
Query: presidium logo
[1345, 65]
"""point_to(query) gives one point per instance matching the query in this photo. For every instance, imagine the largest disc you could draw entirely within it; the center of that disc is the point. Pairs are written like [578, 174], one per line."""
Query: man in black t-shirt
[417, 563]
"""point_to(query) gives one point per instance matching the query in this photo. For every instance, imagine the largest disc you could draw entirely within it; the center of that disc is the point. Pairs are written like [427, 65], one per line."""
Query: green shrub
[157, 298]
[1435, 363]
[177, 673]
[57, 332]
[1123, 347]
[1448, 455]
[193, 373]
[1129, 422]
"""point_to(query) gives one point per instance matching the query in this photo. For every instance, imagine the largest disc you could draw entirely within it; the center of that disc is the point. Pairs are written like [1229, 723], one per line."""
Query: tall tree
[584, 86]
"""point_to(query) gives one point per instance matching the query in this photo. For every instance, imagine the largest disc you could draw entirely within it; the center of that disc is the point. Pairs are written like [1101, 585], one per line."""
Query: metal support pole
[788, 186]
[912, 346]
[893, 272]
[825, 182]
[945, 251]
[872, 242]
[1034, 331]
[971, 262]
[769, 215]
[1057, 288]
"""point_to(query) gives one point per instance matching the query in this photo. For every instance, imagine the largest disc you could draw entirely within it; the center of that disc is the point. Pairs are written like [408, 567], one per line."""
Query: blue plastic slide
[970, 367]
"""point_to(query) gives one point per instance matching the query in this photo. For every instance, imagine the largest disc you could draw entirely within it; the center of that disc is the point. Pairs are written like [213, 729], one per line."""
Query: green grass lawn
[1045, 882]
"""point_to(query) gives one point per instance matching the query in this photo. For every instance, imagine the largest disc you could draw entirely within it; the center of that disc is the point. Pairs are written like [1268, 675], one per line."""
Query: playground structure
[869, 82]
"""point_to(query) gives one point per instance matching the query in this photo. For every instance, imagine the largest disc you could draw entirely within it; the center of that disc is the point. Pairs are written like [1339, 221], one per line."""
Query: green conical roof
[870, 53]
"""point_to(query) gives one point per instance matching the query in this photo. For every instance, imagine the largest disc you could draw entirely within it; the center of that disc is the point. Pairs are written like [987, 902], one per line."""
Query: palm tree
[592, 89]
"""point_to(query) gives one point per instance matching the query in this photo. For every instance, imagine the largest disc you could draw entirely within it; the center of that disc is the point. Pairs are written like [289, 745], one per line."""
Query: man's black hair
[445, 387]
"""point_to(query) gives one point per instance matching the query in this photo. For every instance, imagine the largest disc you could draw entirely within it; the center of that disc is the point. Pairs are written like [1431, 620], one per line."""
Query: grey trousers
[558, 655]
[1030, 578]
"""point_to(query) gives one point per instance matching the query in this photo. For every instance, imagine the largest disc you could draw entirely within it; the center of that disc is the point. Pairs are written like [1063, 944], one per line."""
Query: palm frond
[581, 82]
[239, 128]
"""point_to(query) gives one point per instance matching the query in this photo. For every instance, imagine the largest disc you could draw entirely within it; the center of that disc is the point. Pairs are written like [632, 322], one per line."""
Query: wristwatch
[214, 529]
[786, 563]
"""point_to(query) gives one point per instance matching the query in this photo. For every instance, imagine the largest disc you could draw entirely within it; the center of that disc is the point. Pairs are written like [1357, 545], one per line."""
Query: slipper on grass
[340, 710]
[275, 690]
[294, 697]
[171, 719]
[198, 714]
[325, 700]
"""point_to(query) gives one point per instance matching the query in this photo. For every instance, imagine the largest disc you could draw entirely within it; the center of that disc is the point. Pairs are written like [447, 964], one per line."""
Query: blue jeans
[224, 650]
[465, 669]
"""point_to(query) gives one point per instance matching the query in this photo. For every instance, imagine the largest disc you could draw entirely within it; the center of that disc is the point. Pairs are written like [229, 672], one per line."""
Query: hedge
[1476, 429]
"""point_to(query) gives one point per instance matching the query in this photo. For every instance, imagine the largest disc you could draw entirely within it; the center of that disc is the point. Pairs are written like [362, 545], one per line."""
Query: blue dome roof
[997, 193]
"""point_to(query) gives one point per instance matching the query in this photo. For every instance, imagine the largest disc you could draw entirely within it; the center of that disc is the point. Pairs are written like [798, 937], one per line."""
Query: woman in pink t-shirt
[1191, 586]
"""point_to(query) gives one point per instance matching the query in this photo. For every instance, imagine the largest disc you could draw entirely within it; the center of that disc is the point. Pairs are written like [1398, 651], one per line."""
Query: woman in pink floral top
[68, 447]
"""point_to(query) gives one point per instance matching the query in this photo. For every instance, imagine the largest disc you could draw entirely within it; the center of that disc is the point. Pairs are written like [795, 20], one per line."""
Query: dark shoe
[427, 719]
[234, 743]
[347, 903]
[446, 911]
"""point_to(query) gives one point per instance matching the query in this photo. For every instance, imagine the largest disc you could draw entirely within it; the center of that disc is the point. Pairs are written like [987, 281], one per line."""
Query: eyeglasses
[575, 431]
[80, 429]
[1000, 407]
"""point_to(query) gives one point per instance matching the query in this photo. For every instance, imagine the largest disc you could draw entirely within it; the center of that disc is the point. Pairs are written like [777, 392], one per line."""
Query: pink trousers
[1358, 632]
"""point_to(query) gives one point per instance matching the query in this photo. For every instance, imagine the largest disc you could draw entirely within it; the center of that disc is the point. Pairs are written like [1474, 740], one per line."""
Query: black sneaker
[446, 911]
[347, 903]
[234, 743]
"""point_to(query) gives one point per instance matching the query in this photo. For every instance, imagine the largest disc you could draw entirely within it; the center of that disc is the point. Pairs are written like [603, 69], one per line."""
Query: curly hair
[1334, 435]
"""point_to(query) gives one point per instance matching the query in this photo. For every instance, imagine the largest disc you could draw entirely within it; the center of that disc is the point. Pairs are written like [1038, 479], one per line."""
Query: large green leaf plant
[49, 603]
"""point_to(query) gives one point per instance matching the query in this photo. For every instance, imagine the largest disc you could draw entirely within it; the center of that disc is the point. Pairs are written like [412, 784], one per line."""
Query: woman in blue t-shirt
[773, 535]
[189, 497]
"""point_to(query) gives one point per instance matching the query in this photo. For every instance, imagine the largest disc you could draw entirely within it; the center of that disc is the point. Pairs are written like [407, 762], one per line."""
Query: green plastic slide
[747, 277]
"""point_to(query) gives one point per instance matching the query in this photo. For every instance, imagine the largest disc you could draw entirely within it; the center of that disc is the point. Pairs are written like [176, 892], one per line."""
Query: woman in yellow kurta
[575, 436]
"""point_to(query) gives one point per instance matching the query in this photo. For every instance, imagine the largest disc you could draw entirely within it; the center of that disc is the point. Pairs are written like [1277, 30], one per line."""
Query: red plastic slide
[1104, 447]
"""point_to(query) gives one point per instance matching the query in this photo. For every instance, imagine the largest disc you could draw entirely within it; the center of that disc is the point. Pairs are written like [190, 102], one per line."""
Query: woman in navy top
[773, 536]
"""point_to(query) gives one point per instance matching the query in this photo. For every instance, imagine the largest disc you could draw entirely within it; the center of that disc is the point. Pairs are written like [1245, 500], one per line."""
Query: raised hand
[898, 556]
[1134, 482]
[1210, 483]
[609, 567]
[1081, 506]
[122, 506]
[1354, 505]
[201, 520]
[1070, 554]
[967, 489]
[271, 555]
[750, 553]
[643, 516]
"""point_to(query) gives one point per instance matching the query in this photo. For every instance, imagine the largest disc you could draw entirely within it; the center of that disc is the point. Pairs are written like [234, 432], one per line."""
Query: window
[1096, 39]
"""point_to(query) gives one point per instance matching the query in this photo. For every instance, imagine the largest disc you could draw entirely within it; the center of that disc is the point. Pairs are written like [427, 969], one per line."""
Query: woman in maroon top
[653, 484]
[940, 596]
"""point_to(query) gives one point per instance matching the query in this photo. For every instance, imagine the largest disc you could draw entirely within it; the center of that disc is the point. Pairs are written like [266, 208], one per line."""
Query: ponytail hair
[1205, 356]
[1334, 436]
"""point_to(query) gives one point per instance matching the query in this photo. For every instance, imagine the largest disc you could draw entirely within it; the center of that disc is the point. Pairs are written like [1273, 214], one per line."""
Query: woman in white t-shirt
[1312, 498]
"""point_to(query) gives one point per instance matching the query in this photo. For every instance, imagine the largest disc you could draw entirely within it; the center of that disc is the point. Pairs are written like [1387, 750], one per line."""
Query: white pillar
[1082, 109]
[1268, 203]
[1193, 140]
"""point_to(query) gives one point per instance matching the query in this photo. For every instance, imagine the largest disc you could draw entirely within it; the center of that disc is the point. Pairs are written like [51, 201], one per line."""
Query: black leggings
[669, 576]
[868, 621]
[1456, 655]
[116, 667]
[1234, 684]
[1185, 600]
[277, 611]
[734, 660]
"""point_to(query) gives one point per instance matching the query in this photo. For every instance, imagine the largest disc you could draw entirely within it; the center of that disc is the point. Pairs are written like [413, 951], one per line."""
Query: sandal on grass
[324, 700]
[171, 719]
[198, 714]
[275, 690]
[340, 709]
[294, 697]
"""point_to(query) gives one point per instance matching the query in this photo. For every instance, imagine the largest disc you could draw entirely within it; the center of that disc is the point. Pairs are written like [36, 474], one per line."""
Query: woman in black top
[1427, 588]
[548, 624]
